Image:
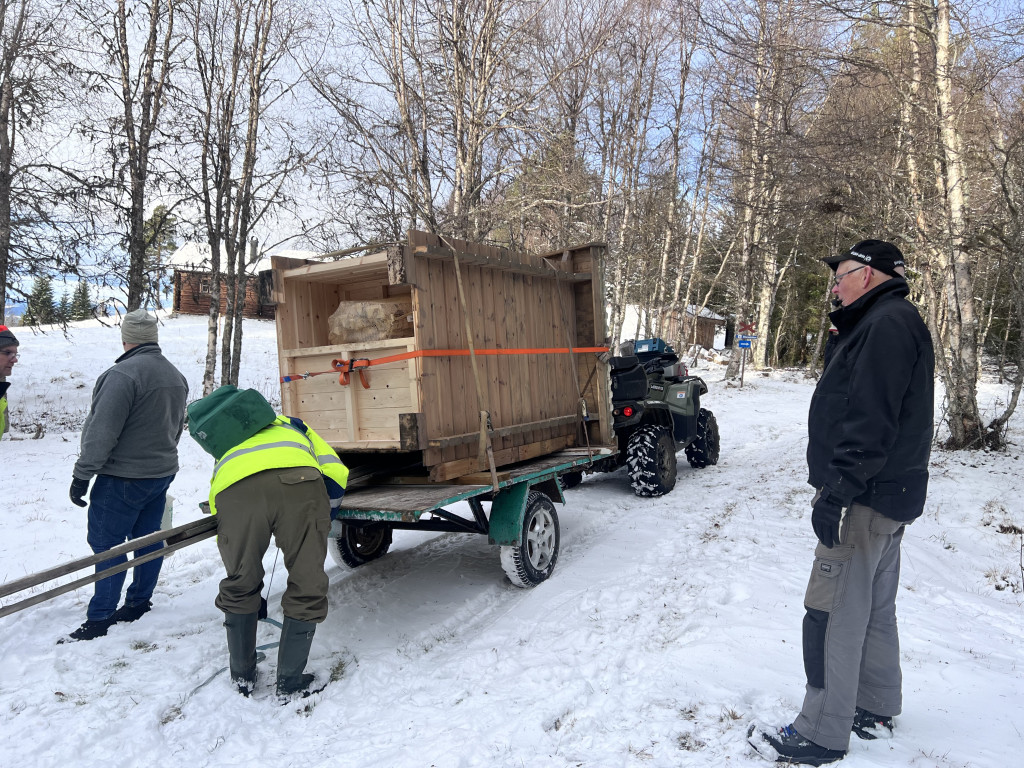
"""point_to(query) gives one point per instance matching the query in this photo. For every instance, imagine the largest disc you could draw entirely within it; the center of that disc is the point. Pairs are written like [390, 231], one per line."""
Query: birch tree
[138, 42]
[245, 150]
[32, 37]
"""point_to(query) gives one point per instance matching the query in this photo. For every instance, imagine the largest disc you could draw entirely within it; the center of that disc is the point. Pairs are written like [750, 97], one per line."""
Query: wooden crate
[428, 405]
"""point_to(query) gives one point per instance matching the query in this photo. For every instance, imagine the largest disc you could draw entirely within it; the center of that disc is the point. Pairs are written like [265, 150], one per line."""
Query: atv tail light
[627, 411]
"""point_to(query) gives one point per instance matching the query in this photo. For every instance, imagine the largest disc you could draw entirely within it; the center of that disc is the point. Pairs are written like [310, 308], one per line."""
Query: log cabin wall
[192, 295]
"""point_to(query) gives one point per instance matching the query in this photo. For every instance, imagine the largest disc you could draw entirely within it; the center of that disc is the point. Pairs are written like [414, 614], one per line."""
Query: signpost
[746, 335]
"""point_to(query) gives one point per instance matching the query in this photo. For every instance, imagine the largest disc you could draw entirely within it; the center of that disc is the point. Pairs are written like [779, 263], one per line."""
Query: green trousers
[292, 504]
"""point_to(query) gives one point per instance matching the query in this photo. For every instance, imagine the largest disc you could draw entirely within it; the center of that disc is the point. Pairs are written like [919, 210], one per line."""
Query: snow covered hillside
[667, 626]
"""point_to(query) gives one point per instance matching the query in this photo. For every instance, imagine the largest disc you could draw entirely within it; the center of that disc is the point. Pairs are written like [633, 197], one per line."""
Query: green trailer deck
[521, 518]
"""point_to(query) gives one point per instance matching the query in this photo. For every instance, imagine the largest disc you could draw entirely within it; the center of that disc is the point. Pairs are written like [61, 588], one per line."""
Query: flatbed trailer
[520, 517]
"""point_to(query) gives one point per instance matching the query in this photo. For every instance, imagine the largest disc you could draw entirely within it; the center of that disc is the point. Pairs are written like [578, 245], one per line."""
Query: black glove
[825, 518]
[78, 491]
[262, 613]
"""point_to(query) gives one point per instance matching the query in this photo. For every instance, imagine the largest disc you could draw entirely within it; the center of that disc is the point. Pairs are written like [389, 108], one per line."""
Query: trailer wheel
[570, 480]
[704, 450]
[651, 461]
[358, 545]
[533, 559]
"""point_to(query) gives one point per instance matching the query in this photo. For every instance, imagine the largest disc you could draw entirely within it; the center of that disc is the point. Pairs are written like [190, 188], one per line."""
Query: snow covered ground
[667, 626]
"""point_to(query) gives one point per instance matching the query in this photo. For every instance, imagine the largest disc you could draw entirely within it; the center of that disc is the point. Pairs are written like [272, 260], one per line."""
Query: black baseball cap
[878, 254]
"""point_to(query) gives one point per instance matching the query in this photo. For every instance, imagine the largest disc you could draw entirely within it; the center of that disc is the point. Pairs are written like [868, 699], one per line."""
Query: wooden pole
[175, 538]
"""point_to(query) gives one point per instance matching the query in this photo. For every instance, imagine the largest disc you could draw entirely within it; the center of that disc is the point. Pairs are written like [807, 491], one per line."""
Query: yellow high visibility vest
[3, 414]
[278, 446]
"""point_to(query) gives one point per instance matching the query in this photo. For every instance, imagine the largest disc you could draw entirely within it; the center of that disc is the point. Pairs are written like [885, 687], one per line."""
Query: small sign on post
[744, 344]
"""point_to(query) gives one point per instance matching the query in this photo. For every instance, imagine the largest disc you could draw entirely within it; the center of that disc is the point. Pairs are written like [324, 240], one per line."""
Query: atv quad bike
[656, 413]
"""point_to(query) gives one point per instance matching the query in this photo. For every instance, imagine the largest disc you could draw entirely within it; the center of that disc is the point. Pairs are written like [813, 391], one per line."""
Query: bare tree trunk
[963, 417]
[142, 95]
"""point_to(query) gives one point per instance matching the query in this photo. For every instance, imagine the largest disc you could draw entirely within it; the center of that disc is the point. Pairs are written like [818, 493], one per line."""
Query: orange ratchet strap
[344, 368]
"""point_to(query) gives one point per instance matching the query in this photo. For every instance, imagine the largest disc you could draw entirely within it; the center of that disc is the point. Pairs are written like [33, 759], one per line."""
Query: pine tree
[81, 304]
[64, 309]
[160, 244]
[40, 309]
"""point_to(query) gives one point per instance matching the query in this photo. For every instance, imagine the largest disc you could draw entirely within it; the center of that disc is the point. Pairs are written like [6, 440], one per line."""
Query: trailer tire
[358, 545]
[705, 448]
[531, 561]
[570, 480]
[651, 461]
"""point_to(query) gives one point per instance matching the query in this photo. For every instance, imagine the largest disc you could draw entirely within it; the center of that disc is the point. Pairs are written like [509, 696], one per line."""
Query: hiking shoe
[870, 726]
[89, 631]
[786, 745]
[128, 613]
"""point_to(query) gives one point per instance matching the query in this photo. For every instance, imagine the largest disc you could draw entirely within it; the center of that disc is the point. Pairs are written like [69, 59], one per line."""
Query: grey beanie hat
[138, 327]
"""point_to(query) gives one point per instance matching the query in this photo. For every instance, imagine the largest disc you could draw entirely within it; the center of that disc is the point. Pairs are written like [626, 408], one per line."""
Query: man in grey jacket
[130, 444]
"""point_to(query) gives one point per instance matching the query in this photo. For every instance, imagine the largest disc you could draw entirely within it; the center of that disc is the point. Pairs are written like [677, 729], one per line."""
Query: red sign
[746, 327]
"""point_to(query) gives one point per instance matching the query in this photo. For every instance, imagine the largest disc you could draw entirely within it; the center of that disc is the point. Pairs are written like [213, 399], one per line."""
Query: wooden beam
[503, 263]
[175, 538]
[411, 431]
[515, 429]
[448, 471]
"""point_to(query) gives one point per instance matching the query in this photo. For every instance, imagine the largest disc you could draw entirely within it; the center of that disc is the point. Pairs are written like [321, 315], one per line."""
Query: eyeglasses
[13, 355]
[839, 278]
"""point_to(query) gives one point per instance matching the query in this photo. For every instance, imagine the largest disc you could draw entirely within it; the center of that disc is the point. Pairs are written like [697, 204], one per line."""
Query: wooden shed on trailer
[468, 328]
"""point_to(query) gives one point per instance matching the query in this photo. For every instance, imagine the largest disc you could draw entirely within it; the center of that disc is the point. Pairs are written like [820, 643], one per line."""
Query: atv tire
[651, 461]
[704, 450]
[357, 546]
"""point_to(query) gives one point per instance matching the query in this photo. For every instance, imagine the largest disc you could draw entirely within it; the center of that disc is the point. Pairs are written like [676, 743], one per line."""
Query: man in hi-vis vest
[284, 480]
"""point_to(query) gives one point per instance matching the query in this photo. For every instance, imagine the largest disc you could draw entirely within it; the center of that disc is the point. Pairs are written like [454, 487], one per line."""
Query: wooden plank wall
[352, 416]
[513, 301]
[507, 310]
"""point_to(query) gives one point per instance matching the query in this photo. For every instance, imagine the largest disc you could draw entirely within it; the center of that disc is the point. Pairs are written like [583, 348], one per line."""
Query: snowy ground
[668, 625]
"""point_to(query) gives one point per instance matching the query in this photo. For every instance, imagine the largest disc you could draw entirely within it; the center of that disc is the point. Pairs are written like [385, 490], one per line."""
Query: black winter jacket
[871, 419]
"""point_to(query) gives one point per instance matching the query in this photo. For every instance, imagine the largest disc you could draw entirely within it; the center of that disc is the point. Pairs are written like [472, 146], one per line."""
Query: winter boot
[90, 630]
[870, 726]
[296, 639]
[786, 745]
[128, 613]
[241, 629]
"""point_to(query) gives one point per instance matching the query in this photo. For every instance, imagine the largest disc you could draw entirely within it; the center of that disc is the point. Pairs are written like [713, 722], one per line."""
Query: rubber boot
[292, 654]
[241, 629]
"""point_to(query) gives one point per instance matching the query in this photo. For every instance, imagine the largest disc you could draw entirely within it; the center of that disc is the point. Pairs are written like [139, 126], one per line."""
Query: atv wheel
[533, 559]
[704, 449]
[357, 546]
[651, 461]
[570, 480]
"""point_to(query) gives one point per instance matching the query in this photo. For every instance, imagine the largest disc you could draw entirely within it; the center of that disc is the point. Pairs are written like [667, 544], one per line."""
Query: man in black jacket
[870, 432]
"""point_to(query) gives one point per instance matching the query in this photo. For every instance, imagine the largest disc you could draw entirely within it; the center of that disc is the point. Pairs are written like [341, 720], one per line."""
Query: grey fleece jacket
[136, 418]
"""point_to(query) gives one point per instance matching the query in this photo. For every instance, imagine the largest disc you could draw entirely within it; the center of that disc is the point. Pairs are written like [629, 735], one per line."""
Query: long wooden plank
[186, 531]
[450, 470]
[502, 432]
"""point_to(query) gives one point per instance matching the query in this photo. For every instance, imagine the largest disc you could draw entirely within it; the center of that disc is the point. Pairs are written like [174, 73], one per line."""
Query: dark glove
[262, 613]
[78, 491]
[826, 516]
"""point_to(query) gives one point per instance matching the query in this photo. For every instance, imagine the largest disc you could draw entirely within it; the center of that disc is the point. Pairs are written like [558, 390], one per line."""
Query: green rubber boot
[241, 628]
[292, 654]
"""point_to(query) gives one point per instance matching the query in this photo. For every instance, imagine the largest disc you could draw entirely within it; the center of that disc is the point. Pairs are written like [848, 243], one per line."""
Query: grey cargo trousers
[292, 504]
[850, 639]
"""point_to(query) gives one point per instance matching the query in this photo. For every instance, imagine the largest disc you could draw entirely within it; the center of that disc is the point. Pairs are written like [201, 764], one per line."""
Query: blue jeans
[121, 509]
